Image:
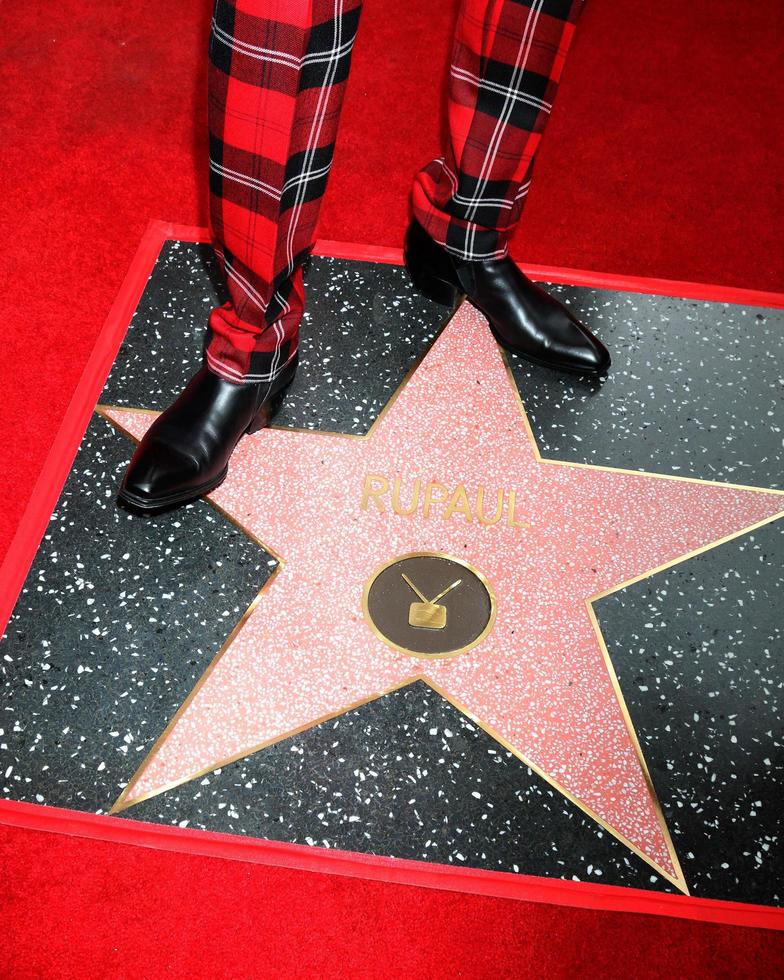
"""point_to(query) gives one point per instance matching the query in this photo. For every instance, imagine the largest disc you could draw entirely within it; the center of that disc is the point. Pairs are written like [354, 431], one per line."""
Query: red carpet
[140, 912]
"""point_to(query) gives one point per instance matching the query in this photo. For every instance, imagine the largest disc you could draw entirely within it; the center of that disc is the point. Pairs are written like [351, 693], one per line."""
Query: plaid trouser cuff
[507, 59]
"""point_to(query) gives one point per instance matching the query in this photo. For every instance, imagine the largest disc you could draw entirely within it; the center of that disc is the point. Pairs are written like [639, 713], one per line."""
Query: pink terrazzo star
[539, 681]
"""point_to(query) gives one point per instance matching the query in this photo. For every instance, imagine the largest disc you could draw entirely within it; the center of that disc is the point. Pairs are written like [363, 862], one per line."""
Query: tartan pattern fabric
[507, 59]
[277, 78]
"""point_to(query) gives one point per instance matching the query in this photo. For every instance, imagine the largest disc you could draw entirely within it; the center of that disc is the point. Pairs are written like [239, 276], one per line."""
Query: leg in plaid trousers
[278, 72]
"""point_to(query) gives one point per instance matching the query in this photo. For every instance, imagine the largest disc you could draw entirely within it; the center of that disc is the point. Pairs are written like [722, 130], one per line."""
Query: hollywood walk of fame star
[539, 679]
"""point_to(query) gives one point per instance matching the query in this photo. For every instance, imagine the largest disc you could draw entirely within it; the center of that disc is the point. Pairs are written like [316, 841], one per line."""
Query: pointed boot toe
[523, 317]
[575, 349]
[185, 452]
[595, 358]
[161, 476]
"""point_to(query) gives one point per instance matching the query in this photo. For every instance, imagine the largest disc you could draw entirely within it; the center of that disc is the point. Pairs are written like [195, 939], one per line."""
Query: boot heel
[267, 411]
[435, 289]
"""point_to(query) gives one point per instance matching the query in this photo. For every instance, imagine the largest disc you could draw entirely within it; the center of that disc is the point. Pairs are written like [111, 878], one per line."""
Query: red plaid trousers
[277, 76]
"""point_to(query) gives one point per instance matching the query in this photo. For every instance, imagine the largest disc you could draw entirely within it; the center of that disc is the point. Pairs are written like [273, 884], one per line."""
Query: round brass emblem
[429, 605]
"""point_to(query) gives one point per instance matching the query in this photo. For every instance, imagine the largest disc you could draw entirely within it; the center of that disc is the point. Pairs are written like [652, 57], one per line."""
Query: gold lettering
[396, 505]
[456, 502]
[459, 503]
[429, 499]
[511, 518]
[480, 506]
[371, 492]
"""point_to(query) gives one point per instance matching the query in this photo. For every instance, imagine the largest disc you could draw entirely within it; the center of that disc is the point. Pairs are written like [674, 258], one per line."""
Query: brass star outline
[677, 880]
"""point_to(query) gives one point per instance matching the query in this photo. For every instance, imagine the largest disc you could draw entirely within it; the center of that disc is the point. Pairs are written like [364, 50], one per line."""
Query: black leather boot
[185, 452]
[523, 317]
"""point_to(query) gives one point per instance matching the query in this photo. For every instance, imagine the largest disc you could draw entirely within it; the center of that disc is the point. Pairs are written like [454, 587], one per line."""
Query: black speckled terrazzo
[698, 652]
[407, 775]
[339, 386]
[116, 622]
[89, 685]
[695, 389]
